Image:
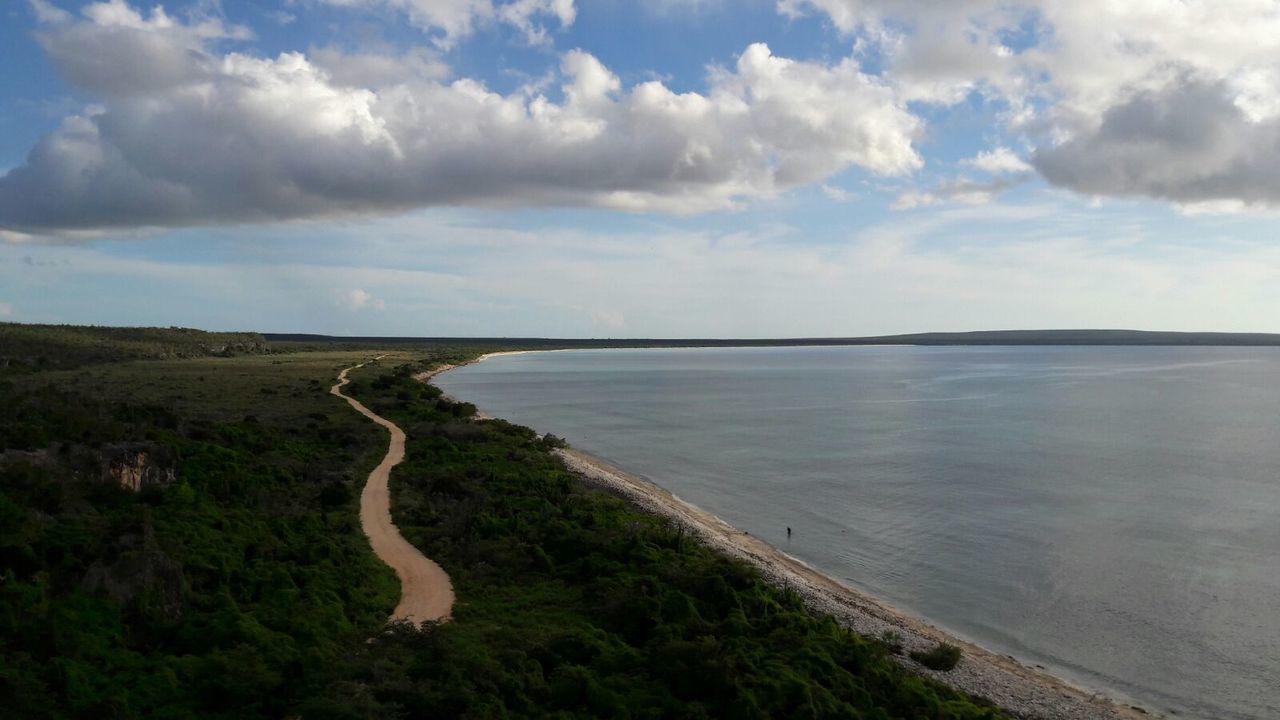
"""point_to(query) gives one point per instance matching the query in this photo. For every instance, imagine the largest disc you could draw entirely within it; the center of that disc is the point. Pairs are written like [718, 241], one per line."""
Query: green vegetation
[572, 604]
[44, 347]
[891, 641]
[942, 657]
[235, 581]
[223, 590]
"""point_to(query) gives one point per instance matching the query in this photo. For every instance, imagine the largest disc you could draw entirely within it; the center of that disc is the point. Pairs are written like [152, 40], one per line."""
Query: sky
[670, 168]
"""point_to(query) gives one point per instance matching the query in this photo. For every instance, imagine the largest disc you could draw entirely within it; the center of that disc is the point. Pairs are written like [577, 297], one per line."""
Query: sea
[1111, 514]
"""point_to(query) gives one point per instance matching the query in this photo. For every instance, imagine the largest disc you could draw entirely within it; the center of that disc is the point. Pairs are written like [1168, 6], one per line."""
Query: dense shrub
[942, 657]
[229, 590]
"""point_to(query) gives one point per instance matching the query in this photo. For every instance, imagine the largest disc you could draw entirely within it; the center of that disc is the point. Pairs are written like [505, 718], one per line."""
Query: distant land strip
[982, 337]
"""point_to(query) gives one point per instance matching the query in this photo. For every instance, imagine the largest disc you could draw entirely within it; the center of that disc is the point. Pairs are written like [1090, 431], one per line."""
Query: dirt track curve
[425, 591]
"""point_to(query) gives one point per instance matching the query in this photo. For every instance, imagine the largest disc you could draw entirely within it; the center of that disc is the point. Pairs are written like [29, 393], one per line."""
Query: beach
[1022, 691]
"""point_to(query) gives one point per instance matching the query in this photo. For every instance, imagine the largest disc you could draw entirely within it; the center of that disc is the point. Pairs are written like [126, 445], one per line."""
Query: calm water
[1110, 513]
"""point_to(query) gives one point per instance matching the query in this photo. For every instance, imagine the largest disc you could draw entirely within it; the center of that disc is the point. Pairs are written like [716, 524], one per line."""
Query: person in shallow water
[788, 532]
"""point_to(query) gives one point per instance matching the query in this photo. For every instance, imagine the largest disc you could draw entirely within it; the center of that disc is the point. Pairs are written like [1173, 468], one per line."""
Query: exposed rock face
[135, 466]
[246, 345]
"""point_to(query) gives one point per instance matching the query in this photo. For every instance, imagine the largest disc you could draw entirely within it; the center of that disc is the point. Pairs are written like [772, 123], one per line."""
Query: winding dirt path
[425, 591]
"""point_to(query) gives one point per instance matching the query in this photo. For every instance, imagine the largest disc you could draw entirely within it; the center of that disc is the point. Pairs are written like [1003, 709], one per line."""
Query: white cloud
[934, 51]
[1074, 72]
[521, 15]
[959, 190]
[453, 20]
[838, 194]
[360, 299]
[47, 12]
[953, 267]
[956, 267]
[117, 51]
[185, 134]
[6, 310]
[12, 237]
[1213, 207]
[997, 161]
[911, 199]
[375, 70]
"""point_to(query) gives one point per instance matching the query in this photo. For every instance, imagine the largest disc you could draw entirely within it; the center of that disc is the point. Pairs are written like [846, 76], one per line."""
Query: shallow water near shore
[1110, 513]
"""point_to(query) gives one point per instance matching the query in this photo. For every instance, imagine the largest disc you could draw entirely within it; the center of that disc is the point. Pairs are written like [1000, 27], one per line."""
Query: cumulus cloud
[117, 51]
[935, 52]
[452, 20]
[1087, 79]
[184, 133]
[1189, 142]
[360, 299]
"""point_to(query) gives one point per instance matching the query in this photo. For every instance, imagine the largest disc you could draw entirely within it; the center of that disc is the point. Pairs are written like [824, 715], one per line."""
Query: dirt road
[425, 590]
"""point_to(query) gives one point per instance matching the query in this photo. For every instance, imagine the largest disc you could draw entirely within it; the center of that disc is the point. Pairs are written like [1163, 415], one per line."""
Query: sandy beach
[1022, 691]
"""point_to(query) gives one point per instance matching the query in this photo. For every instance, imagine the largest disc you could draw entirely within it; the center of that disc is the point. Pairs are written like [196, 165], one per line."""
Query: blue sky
[610, 169]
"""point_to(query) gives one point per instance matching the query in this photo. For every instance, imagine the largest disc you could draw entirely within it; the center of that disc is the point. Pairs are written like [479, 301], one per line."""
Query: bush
[942, 657]
[551, 442]
[891, 641]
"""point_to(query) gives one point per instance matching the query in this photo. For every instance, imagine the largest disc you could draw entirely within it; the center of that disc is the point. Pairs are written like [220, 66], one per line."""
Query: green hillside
[29, 347]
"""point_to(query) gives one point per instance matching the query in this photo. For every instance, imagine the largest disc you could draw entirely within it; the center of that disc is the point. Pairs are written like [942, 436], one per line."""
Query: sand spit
[428, 374]
[1021, 691]
[425, 591]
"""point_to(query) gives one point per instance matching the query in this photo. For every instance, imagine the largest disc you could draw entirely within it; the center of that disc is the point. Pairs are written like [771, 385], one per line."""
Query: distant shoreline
[1022, 691]
[1070, 337]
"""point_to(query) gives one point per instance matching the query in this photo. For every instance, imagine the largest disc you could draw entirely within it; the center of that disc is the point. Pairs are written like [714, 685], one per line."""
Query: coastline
[1021, 691]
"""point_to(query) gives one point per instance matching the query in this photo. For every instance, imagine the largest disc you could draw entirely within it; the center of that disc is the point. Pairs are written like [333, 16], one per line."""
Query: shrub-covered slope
[42, 347]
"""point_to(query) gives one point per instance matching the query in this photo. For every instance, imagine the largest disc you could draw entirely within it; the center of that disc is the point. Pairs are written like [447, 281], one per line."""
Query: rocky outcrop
[243, 345]
[135, 466]
[132, 466]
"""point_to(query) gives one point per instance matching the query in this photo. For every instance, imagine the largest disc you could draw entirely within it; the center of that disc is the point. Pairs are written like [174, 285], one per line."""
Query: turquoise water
[1110, 513]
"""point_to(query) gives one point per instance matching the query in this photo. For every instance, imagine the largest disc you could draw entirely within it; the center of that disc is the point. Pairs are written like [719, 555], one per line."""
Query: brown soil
[425, 591]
